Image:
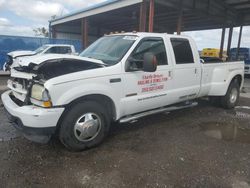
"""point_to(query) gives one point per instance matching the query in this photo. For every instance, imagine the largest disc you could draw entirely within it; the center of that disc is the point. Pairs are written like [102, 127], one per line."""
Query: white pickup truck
[45, 49]
[120, 77]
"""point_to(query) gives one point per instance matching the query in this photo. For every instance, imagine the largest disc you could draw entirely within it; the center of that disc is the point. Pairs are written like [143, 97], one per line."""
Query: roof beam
[101, 9]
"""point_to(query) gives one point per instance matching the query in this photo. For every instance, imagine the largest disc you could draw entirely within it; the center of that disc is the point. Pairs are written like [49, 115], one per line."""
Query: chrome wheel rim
[233, 95]
[87, 127]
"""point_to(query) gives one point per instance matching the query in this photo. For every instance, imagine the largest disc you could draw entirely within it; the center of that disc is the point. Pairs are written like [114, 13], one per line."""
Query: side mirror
[149, 62]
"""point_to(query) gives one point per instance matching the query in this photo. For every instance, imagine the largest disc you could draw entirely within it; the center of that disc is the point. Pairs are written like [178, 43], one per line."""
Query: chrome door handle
[170, 74]
[195, 70]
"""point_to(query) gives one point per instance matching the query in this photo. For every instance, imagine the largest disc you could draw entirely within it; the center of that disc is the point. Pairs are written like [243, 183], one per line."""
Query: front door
[146, 90]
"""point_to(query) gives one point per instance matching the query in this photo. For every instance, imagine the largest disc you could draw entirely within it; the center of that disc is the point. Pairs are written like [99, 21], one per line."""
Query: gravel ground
[203, 146]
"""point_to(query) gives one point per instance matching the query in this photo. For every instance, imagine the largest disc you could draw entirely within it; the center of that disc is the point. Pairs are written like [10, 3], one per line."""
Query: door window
[182, 51]
[65, 50]
[153, 45]
[59, 50]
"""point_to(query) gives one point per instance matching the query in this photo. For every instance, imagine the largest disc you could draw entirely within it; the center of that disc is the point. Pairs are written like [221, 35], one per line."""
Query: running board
[156, 111]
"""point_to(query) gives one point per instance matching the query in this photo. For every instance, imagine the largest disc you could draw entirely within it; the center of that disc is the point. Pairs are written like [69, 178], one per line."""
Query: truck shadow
[170, 119]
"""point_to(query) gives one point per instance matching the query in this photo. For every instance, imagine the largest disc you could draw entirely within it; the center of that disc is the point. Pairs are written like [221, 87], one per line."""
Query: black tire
[67, 132]
[233, 89]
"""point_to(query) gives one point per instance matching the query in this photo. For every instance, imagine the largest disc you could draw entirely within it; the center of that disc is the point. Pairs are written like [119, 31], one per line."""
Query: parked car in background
[244, 55]
[45, 49]
[213, 55]
[120, 77]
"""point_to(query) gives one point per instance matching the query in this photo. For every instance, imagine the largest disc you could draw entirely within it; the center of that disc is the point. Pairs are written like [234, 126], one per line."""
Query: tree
[41, 31]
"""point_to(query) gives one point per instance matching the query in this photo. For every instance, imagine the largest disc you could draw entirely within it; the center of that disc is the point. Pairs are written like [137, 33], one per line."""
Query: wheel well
[238, 79]
[101, 99]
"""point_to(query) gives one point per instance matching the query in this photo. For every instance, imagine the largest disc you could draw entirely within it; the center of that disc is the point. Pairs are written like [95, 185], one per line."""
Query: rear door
[187, 70]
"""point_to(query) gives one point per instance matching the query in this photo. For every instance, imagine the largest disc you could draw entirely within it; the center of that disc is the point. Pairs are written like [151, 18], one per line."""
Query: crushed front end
[29, 109]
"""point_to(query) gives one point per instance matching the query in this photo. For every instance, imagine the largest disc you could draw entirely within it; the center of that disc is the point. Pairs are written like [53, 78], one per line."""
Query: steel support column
[53, 32]
[229, 40]
[180, 19]
[239, 42]
[222, 41]
[151, 16]
[143, 16]
[50, 30]
[84, 33]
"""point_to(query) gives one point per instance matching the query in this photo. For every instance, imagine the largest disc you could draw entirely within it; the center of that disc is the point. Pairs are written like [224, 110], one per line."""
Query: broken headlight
[40, 96]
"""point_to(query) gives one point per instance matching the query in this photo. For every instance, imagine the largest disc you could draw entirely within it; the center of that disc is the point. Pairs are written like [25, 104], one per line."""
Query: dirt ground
[203, 146]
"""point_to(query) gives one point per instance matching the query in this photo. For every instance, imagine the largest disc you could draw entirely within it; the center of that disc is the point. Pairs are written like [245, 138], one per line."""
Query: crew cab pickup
[45, 49]
[120, 77]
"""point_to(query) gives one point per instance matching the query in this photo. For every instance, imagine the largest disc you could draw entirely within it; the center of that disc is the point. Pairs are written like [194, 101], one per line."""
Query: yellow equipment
[213, 52]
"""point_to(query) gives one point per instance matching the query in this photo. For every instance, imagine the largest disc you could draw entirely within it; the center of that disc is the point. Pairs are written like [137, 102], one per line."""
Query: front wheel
[232, 96]
[84, 126]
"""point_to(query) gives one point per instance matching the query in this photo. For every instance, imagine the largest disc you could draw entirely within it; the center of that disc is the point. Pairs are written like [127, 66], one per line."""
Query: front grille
[21, 81]
[20, 90]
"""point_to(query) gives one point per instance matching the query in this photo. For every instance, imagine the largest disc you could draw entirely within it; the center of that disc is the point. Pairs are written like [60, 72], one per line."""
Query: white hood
[25, 61]
[15, 54]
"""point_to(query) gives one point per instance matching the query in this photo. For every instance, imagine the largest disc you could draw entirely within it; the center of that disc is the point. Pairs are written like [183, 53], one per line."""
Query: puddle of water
[226, 132]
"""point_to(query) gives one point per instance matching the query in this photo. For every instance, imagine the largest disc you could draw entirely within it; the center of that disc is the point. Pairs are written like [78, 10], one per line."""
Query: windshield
[109, 49]
[41, 49]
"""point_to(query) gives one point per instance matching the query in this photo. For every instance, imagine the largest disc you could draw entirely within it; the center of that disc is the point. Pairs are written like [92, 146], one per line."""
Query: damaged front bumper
[37, 123]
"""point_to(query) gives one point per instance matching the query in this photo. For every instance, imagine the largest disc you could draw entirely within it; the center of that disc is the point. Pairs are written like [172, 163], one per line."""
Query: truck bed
[215, 76]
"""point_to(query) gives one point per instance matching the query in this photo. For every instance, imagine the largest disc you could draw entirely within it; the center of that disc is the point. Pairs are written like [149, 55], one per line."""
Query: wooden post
[151, 16]
[143, 16]
[84, 33]
[239, 42]
[229, 40]
[180, 19]
[222, 42]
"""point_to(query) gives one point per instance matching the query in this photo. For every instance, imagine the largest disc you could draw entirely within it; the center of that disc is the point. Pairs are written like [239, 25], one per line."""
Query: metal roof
[123, 15]
[85, 9]
[103, 7]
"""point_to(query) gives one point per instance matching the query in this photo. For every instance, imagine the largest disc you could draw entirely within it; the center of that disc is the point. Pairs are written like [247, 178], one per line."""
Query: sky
[20, 17]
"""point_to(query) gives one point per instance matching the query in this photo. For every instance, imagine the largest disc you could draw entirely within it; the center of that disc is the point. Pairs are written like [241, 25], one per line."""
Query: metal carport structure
[153, 16]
